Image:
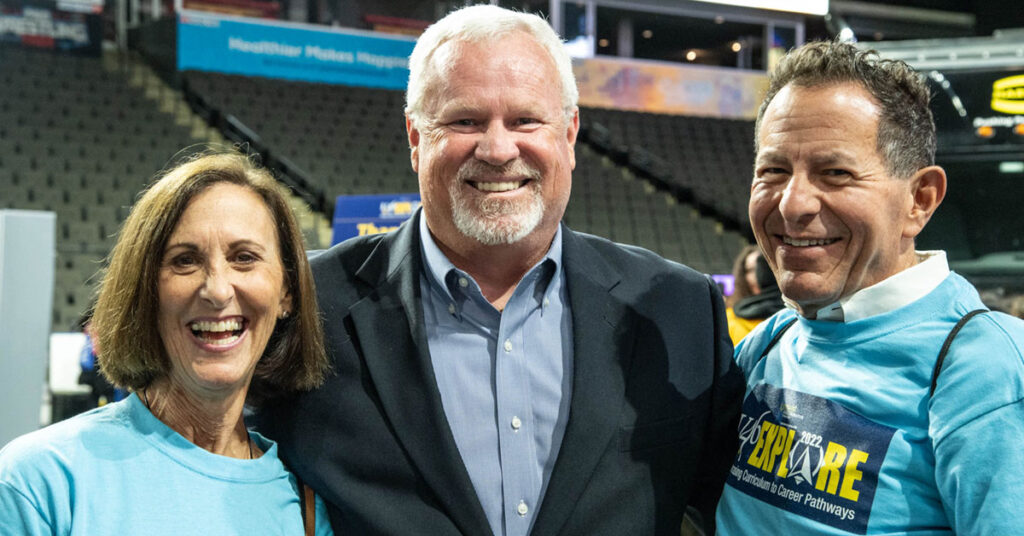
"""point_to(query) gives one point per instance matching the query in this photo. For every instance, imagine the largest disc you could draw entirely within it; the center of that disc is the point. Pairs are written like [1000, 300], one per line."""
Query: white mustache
[512, 171]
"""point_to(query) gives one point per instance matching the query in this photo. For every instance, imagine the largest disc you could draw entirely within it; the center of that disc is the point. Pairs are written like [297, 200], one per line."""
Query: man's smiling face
[494, 151]
[824, 208]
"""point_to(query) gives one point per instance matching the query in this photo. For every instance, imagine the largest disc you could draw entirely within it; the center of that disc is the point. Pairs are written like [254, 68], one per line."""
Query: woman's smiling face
[221, 290]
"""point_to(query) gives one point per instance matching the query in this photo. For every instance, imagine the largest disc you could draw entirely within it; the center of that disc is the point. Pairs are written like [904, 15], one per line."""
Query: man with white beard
[497, 372]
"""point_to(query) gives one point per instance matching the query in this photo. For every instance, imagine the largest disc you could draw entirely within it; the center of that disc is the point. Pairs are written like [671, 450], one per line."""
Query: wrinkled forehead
[823, 115]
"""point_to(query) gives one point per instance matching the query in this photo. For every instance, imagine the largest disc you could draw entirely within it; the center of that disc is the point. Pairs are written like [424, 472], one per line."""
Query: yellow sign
[1008, 95]
[371, 229]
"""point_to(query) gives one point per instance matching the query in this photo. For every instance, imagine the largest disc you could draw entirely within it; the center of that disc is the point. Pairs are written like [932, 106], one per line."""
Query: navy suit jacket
[652, 421]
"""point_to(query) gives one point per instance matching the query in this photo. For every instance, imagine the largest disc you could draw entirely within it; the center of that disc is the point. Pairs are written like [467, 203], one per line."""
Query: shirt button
[463, 282]
[451, 308]
[516, 423]
[522, 509]
[508, 345]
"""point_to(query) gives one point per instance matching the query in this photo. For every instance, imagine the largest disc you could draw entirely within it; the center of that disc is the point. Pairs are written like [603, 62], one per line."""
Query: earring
[284, 314]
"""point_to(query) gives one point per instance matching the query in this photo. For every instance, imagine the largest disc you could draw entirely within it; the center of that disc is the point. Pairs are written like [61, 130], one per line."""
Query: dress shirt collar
[441, 272]
[891, 293]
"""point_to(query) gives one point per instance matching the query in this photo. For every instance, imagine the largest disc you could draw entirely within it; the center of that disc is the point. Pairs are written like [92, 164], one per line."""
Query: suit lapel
[389, 327]
[602, 351]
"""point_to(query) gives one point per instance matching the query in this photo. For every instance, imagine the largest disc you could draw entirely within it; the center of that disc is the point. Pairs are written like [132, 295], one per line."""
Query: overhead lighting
[647, 34]
[691, 55]
[603, 43]
[736, 46]
[943, 82]
[809, 7]
[1011, 167]
[959, 105]
[719, 19]
[836, 24]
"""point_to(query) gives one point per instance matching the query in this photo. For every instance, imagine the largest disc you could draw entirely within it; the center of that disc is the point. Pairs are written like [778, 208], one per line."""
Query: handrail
[234, 129]
[654, 170]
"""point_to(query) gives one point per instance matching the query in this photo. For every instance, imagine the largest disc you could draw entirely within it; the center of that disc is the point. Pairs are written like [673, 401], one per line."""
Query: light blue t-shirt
[839, 435]
[120, 470]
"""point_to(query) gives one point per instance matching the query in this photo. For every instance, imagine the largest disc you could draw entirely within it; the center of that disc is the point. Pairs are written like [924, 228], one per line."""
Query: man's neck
[498, 269]
[926, 271]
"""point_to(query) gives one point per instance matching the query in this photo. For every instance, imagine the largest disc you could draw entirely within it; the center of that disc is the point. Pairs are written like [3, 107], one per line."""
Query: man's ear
[928, 188]
[414, 143]
[572, 130]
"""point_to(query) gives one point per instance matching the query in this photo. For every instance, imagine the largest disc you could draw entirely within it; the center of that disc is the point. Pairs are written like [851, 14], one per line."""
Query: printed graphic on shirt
[810, 456]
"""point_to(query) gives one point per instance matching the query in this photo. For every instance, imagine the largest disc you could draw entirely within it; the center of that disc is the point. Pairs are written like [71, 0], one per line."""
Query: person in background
[756, 295]
[743, 275]
[101, 390]
[207, 305]
[497, 372]
[886, 399]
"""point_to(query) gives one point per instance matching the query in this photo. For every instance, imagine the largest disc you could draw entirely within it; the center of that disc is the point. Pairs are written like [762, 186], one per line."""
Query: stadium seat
[77, 139]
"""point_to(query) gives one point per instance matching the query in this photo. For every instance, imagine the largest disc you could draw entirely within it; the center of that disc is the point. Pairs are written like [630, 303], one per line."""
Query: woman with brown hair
[207, 306]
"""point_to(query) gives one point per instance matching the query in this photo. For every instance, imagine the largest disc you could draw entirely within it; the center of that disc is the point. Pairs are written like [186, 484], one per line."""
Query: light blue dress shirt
[505, 378]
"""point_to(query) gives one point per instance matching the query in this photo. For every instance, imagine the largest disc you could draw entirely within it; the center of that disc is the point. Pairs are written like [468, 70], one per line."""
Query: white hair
[478, 24]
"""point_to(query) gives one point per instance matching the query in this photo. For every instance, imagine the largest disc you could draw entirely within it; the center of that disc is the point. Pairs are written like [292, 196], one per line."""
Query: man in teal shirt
[852, 423]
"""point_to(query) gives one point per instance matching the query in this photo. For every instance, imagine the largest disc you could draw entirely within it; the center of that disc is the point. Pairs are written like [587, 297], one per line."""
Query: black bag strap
[775, 339]
[938, 362]
[949, 341]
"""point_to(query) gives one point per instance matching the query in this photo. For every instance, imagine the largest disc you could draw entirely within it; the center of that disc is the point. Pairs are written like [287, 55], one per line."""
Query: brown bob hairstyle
[132, 354]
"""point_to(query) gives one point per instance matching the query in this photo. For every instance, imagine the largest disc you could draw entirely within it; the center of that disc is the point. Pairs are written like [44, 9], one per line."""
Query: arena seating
[707, 158]
[609, 201]
[352, 140]
[349, 140]
[77, 138]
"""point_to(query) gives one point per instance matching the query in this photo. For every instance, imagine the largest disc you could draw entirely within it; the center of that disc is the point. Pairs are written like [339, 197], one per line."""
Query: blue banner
[810, 456]
[358, 215]
[252, 47]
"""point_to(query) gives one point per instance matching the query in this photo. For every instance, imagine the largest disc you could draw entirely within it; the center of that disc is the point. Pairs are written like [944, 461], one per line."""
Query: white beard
[497, 221]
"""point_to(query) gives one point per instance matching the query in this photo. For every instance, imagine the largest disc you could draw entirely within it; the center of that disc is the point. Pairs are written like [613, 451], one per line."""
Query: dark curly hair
[906, 129]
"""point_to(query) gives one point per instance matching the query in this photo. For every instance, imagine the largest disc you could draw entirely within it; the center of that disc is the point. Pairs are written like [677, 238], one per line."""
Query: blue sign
[292, 51]
[359, 215]
[810, 456]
